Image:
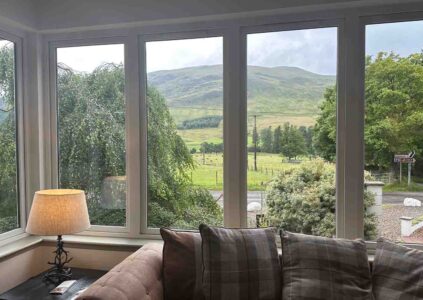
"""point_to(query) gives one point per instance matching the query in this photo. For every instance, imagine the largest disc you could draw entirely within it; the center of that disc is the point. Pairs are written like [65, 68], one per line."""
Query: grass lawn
[209, 173]
[403, 187]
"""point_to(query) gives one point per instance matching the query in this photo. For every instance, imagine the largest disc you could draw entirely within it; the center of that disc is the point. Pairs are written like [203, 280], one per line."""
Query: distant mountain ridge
[289, 90]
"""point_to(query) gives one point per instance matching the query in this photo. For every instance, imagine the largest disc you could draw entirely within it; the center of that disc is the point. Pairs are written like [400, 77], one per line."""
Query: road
[252, 196]
[388, 198]
[398, 197]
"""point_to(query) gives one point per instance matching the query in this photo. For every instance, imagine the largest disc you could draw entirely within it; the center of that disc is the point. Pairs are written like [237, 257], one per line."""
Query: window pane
[292, 130]
[185, 132]
[91, 128]
[9, 205]
[394, 129]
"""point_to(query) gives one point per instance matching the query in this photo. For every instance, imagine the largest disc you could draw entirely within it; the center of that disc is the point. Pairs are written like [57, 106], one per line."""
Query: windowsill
[27, 241]
[102, 241]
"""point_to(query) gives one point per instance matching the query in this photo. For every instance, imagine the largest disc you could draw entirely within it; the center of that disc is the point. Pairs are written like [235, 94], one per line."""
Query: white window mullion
[133, 143]
[350, 134]
[235, 126]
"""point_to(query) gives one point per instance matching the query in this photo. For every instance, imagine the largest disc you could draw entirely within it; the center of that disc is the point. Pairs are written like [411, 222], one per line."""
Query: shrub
[303, 200]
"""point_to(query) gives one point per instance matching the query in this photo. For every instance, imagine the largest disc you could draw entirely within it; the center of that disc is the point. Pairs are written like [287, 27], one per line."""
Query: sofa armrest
[139, 276]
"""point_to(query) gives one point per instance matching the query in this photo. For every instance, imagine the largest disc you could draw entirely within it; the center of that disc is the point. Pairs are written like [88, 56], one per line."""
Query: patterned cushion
[324, 268]
[397, 272]
[240, 264]
[182, 266]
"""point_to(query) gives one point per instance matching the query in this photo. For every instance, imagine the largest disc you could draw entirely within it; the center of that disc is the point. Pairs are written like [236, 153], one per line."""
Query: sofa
[312, 268]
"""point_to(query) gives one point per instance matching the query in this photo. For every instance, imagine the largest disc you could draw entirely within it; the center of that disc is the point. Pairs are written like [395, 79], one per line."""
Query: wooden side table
[37, 289]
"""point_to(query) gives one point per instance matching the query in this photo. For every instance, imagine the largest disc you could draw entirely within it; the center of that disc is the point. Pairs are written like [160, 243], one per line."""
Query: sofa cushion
[240, 264]
[397, 272]
[182, 266]
[324, 268]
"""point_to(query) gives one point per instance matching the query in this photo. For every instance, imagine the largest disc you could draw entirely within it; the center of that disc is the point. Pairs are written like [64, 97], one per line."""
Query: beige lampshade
[58, 212]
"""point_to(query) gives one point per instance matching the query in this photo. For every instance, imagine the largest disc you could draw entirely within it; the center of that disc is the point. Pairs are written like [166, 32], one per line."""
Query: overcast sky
[313, 49]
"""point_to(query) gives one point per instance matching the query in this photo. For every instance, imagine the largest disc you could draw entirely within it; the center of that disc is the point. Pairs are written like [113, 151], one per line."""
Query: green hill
[275, 95]
[285, 90]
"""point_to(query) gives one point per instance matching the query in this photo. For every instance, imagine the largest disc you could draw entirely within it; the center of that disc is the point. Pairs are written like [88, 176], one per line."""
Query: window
[185, 132]
[291, 79]
[394, 129]
[91, 128]
[9, 200]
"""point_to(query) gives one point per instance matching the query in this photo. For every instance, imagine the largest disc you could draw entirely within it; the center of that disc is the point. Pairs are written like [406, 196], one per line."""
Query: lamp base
[59, 272]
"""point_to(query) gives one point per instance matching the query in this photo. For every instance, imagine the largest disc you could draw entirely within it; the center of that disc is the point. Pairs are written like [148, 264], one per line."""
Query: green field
[209, 172]
[193, 138]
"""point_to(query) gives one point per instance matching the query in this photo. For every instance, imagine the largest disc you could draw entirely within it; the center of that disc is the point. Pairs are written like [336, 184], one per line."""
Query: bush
[304, 199]
[199, 207]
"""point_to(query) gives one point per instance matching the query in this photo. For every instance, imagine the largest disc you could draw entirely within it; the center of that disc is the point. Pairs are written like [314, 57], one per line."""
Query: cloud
[312, 49]
[403, 38]
[176, 54]
[87, 58]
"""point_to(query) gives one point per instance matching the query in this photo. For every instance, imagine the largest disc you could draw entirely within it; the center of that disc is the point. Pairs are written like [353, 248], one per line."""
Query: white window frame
[341, 101]
[20, 139]
[386, 19]
[143, 40]
[130, 143]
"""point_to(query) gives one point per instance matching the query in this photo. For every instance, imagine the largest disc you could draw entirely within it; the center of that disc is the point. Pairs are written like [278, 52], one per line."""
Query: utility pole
[255, 138]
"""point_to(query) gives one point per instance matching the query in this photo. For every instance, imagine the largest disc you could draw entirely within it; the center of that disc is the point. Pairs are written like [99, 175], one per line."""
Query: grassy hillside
[275, 95]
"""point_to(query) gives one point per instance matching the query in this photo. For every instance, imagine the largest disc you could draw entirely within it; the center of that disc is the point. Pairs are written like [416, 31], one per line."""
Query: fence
[385, 177]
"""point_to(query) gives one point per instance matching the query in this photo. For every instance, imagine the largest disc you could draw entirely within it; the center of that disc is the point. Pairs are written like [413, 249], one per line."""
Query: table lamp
[58, 212]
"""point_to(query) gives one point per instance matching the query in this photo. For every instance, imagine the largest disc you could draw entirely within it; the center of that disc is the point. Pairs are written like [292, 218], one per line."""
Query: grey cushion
[240, 264]
[324, 268]
[397, 272]
[182, 265]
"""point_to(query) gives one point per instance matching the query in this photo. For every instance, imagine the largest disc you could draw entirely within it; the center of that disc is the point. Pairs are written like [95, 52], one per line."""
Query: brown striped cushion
[240, 264]
[318, 268]
[182, 266]
[397, 272]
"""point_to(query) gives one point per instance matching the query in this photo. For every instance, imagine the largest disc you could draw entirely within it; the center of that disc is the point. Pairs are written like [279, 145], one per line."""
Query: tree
[8, 163]
[304, 200]
[324, 138]
[394, 108]
[266, 140]
[293, 143]
[307, 133]
[394, 111]
[255, 142]
[277, 140]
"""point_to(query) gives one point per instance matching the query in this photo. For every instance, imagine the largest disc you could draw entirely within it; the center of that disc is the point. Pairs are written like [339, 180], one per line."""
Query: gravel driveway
[389, 225]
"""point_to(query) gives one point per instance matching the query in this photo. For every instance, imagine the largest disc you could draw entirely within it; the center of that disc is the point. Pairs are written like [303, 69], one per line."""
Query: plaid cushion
[397, 272]
[240, 264]
[324, 268]
[182, 265]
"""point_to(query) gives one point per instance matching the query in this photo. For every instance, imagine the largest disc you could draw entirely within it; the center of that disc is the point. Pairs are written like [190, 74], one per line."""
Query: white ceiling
[60, 14]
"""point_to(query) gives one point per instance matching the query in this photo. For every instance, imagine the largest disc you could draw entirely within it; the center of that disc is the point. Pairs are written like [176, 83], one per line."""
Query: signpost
[406, 159]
